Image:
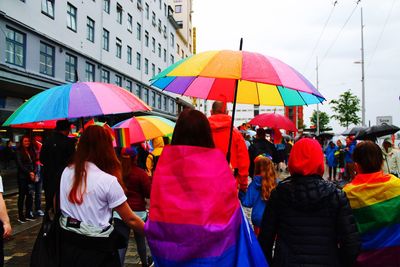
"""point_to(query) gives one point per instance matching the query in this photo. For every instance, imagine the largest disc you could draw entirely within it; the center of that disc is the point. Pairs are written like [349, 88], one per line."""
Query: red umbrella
[273, 120]
[37, 125]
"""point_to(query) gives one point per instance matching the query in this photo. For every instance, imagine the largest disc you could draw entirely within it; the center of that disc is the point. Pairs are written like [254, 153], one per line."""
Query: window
[89, 72]
[118, 44]
[106, 6]
[159, 4]
[153, 18]
[129, 85]
[71, 17]
[90, 29]
[177, 49]
[165, 103]
[146, 38]
[147, 11]
[139, 31]
[172, 106]
[171, 59]
[153, 99]
[165, 32]
[153, 45]
[159, 25]
[172, 40]
[165, 9]
[118, 80]
[130, 23]
[179, 23]
[177, 1]
[146, 66]
[119, 13]
[153, 70]
[165, 55]
[138, 60]
[105, 76]
[158, 101]
[46, 59]
[159, 70]
[183, 54]
[146, 95]
[178, 9]
[159, 50]
[70, 67]
[15, 47]
[129, 55]
[48, 8]
[106, 40]
[138, 90]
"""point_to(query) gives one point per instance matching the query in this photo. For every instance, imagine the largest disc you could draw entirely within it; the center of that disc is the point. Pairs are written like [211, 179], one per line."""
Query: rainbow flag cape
[375, 200]
[122, 137]
[195, 217]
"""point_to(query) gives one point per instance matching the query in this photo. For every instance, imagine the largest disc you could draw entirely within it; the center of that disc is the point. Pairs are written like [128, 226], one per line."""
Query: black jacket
[57, 152]
[313, 225]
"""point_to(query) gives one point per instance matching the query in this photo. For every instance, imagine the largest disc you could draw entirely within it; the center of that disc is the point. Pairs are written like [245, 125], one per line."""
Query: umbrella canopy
[262, 80]
[77, 100]
[353, 131]
[273, 120]
[144, 128]
[378, 131]
[37, 125]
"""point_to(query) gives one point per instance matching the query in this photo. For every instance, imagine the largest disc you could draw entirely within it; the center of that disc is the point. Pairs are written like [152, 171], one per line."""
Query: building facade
[126, 42]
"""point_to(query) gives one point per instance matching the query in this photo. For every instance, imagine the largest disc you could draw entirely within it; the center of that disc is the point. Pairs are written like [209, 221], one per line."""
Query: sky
[290, 29]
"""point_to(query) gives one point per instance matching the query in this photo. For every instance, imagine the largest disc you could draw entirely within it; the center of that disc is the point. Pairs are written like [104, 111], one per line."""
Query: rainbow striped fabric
[375, 200]
[195, 216]
[122, 137]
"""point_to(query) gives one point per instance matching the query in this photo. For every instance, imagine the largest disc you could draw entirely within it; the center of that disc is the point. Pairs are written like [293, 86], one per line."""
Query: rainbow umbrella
[37, 125]
[273, 120]
[77, 100]
[261, 80]
[144, 128]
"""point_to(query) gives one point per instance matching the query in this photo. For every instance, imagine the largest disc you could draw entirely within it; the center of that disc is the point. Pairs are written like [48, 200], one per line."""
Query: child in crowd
[259, 190]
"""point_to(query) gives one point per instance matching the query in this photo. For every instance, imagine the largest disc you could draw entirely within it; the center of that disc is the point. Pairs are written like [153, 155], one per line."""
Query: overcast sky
[289, 30]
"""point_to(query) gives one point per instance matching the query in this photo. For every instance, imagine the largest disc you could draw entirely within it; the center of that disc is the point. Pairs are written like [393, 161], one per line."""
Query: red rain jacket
[220, 127]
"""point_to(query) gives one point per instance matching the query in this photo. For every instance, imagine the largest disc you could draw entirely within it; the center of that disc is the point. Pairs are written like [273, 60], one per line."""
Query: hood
[257, 179]
[306, 158]
[306, 192]
[220, 121]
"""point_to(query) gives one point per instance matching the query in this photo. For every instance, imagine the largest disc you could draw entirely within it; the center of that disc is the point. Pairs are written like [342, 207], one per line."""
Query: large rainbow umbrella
[77, 100]
[261, 80]
[142, 128]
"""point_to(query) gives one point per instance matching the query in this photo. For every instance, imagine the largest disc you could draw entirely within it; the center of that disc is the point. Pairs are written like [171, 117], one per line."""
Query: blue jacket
[252, 199]
[330, 156]
[349, 153]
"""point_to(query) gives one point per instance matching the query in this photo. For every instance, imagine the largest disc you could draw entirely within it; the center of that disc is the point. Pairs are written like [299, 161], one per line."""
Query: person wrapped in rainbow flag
[375, 200]
[195, 218]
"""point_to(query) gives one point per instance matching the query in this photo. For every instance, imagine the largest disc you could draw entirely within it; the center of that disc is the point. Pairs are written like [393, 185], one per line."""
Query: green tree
[346, 109]
[323, 119]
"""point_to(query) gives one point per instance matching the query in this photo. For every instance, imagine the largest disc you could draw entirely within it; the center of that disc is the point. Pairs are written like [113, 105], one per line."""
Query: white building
[46, 43]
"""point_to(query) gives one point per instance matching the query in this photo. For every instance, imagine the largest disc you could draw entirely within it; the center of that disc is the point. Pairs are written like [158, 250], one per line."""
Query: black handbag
[45, 252]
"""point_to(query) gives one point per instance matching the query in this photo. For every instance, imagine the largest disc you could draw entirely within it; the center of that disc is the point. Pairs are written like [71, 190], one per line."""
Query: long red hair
[95, 146]
[263, 166]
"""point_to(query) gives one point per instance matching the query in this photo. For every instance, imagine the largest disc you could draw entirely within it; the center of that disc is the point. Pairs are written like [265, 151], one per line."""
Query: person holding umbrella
[391, 158]
[220, 123]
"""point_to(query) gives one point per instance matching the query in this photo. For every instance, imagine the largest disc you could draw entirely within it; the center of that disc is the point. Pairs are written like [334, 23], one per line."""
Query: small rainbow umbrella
[77, 100]
[142, 128]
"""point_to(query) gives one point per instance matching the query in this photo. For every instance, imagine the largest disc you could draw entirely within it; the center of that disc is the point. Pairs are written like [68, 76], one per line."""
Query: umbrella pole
[228, 155]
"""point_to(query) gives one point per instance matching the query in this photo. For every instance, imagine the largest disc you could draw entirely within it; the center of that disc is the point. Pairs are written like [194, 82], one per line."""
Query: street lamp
[362, 73]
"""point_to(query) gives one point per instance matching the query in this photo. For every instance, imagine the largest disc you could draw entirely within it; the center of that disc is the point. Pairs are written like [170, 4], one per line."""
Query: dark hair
[218, 107]
[192, 129]
[95, 145]
[63, 125]
[368, 156]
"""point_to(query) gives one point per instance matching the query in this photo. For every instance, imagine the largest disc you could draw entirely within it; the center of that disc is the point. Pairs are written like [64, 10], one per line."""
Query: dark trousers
[332, 170]
[1, 245]
[24, 195]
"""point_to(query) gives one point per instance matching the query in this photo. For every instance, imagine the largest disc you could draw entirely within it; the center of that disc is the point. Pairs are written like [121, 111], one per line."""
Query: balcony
[171, 19]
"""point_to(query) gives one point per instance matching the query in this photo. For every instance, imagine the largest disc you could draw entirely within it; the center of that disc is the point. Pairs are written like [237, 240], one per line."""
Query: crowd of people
[350, 218]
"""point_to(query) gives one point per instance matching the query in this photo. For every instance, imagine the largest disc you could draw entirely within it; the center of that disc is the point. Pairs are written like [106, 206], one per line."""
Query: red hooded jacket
[306, 158]
[220, 126]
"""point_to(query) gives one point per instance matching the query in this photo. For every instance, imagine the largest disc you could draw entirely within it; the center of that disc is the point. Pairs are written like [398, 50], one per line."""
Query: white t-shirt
[1, 185]
[103, 193]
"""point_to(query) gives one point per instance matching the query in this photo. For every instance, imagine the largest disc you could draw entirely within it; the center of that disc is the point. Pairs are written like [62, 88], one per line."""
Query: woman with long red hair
[259, 190]
[90, 189]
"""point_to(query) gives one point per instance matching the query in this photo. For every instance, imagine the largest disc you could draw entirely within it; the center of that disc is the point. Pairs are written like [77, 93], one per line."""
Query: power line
[320, 35]
[381, 34]
[337, 36]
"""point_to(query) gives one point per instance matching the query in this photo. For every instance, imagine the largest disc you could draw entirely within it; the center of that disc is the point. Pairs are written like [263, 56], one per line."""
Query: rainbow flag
[195, 216]
[122, 137]
[375, 200]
